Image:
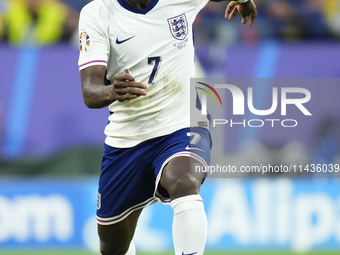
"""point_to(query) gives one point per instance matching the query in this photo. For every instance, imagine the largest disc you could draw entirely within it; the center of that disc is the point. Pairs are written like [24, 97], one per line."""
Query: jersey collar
[131, 8]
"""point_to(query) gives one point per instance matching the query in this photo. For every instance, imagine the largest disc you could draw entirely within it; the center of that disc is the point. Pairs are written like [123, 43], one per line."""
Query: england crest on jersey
[178, 26]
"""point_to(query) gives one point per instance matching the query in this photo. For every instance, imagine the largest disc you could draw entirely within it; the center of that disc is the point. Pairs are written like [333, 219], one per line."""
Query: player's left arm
[246, 8]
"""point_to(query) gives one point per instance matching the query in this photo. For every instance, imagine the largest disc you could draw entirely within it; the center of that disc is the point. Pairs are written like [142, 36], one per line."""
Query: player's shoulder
[97, 7]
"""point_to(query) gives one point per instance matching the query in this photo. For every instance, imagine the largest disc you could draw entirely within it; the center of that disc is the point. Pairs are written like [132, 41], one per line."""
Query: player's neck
[140, 4]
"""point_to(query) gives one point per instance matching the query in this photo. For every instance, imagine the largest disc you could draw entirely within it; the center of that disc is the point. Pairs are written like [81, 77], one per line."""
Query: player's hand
[126, 88]
[246, 10]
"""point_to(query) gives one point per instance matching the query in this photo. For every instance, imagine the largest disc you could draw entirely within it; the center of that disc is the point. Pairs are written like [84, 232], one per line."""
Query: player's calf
[107, 248]
[190, 222]
[115, 239]
[189, 228]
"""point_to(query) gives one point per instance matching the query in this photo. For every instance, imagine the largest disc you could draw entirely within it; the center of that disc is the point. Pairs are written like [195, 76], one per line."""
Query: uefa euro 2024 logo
[239, 105]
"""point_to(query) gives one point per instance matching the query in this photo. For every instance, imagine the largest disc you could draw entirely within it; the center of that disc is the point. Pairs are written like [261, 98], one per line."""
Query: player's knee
[179, 179]
[186, 184]
[113, 248]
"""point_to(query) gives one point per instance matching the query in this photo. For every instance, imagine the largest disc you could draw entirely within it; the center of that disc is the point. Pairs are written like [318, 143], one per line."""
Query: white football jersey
[156, 45]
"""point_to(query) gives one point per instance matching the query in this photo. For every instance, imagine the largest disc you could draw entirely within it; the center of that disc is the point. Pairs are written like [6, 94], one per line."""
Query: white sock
[189, 228]
[131, 250]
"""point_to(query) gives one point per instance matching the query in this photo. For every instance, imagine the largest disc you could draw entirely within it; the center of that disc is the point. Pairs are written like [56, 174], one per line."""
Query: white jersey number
[195, 139]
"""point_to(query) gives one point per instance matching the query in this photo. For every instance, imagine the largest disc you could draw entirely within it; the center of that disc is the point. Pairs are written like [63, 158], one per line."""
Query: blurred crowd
[39, 22]
[287, 20]
[44, 22]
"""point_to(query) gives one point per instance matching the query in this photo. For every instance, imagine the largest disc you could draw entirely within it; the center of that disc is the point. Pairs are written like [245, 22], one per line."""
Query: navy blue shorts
[130, 176]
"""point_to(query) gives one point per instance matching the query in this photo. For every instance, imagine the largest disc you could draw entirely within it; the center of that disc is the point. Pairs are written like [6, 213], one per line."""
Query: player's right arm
[97, 95]
[93, 57]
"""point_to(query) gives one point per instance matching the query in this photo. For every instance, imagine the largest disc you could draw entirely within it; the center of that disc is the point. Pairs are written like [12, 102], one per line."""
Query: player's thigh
[180, 178]
[116, 238]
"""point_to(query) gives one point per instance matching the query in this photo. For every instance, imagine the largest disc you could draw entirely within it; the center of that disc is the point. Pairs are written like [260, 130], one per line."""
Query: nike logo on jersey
[189, 253]
[119, 42]
[197, 149]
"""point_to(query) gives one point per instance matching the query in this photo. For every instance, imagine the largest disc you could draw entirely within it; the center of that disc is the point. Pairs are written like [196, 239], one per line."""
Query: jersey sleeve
[94, 42]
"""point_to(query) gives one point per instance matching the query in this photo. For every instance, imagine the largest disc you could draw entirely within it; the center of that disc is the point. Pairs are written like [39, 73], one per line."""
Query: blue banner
[250, 214]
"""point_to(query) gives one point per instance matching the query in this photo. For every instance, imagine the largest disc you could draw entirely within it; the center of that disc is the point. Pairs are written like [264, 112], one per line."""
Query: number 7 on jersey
[156, 62]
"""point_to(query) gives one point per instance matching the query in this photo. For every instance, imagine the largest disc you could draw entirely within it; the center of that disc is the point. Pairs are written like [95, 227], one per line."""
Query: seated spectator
[78, 4]
[3, 7]
[332, 16]
[313, 18]
[38, 22]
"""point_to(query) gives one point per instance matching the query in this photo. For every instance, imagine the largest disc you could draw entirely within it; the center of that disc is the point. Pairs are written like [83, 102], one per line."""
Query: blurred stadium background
[51, 144]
